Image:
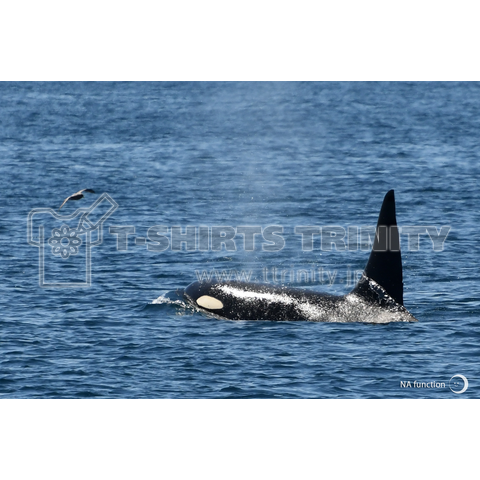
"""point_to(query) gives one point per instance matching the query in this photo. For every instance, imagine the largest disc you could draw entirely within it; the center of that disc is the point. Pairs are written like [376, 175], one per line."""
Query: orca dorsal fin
[384, 266]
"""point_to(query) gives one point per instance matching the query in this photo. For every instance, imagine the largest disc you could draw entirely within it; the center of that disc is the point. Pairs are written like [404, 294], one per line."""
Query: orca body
[377, 297]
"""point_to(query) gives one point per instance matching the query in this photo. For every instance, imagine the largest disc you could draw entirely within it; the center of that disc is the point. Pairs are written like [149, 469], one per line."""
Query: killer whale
[377, 297]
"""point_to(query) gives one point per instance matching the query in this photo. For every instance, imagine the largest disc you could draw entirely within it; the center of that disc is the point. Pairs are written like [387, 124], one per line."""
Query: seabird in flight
[76, 196]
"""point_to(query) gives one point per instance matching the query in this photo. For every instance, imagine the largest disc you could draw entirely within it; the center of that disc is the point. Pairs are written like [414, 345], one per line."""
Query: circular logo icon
[458, 385]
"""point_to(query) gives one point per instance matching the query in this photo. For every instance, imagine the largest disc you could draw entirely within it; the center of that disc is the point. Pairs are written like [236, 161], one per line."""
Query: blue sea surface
[230, 155]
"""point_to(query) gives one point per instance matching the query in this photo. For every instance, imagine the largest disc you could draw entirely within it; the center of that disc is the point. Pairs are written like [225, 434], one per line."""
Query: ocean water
[230, 155]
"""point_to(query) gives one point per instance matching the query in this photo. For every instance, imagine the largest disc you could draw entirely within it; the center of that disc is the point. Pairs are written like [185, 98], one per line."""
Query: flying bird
[76, 196]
